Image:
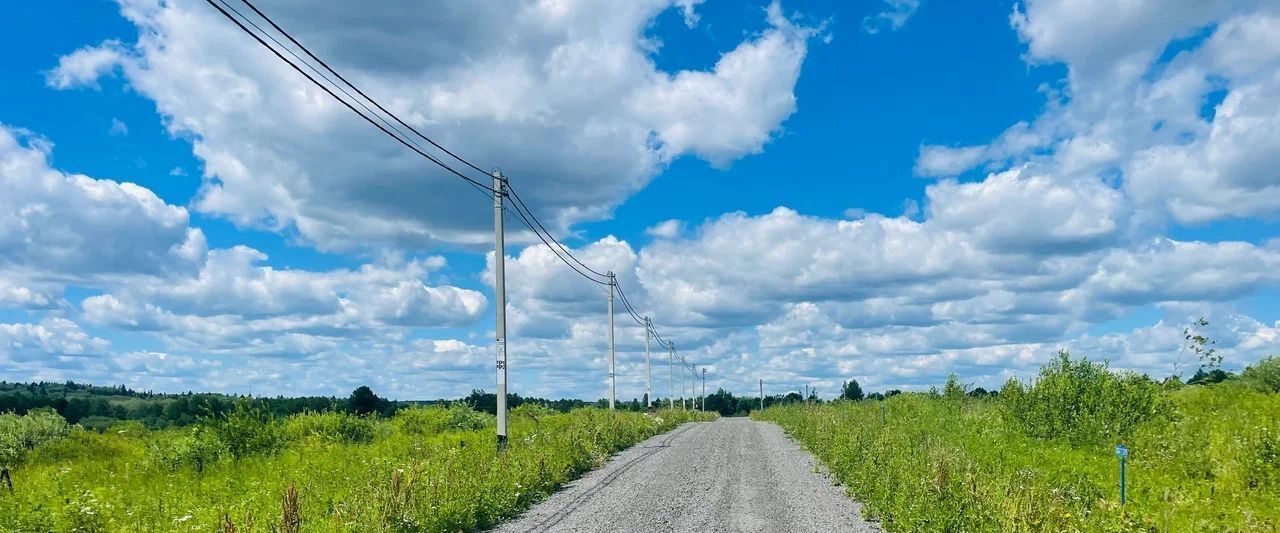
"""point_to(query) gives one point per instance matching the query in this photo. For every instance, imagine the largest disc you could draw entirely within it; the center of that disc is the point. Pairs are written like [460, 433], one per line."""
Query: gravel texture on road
[733, 474]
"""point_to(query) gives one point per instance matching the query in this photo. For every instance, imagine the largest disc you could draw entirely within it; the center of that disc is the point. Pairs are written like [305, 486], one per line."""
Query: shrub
[131, 428]
[80, 443]
[1083, 402]
[247, 430]
[954, 390]
[532, 411]
[21, 434]
[196, 447]
[97, 423]
[334, 427]
[1264, 375]
[433, 420]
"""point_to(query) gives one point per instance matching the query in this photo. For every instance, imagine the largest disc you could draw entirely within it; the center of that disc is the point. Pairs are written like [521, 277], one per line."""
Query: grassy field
[425, 469]
[1042, 458]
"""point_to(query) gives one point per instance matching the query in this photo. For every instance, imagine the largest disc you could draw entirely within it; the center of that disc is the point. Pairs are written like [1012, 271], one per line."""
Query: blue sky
[801, 191]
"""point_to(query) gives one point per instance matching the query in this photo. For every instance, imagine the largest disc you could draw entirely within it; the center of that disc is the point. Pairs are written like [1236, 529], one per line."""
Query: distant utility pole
[704, 388]
[682, 389]
[500, 298]
[761, 394]
[693, 385]
[613, 284]
[648, 367]
[671, 371]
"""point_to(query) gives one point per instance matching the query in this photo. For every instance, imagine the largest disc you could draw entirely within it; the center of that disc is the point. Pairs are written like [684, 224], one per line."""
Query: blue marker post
[1123, 453]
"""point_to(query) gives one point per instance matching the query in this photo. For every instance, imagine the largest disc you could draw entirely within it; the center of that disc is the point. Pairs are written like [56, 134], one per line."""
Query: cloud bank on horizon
[1022, 245]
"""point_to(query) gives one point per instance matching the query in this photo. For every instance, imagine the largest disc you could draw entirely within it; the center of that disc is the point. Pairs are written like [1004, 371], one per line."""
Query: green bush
[82, 443]
[21, 434]
[1264, 375]
[248, 430]
[954, 389]
[533, 411]
[97, 423]
[132, 428]
[197, 447]
[333, 427]
[433, 420]
[1083, 402]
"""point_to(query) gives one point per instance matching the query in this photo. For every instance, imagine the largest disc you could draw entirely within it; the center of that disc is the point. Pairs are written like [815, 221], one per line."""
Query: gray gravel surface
[733, 474]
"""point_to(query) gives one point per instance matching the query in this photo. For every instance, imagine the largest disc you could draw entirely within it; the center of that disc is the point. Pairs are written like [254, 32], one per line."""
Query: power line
[516, 196]
[626, 303]
[357, 89]
[329, 91]
[661, 341]
[309, 65]
[525, 219]
[550, 238]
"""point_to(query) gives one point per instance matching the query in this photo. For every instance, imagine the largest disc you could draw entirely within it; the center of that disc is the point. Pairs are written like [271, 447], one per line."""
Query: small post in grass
[1122, 452]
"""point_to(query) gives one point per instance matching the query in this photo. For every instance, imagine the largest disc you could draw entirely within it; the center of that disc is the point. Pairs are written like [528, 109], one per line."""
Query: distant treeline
[98, 407]
[725, 403]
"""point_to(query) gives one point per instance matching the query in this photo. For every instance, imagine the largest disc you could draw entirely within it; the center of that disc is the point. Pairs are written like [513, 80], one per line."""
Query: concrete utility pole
[648, 367]
[613, 284]
[500, 303]
[704, 388]
[682, 389]
[671, 371]
[693, 385]
[761, 394]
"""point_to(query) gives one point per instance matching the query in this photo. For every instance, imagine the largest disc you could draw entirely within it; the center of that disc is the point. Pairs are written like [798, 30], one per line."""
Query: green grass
[1210, 461]
[427, 469]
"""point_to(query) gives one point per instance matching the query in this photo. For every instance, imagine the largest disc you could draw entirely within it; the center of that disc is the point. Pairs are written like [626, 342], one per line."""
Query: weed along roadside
[1044, 456]
[424, 469]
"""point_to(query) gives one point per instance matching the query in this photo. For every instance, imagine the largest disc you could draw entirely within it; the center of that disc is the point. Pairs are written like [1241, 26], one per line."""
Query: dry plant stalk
[227, 526]
[290, 519]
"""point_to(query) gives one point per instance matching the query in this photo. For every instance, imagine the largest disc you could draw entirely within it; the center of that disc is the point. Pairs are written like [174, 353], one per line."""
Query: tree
[1201, 377]
[1200, 345]
[363, 401]
[851, 391]
[954, 389]
[981, 392]
[1264, 374]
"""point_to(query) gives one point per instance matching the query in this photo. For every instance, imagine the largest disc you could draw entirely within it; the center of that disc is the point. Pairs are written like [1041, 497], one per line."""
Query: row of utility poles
[500, 331]
[648, 363]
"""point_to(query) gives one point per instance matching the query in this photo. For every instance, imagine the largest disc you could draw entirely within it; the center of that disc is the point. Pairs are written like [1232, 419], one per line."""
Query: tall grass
[1203, 458]
[427, 469]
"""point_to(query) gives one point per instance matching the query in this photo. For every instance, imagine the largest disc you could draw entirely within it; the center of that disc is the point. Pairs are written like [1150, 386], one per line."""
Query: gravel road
[733, 474]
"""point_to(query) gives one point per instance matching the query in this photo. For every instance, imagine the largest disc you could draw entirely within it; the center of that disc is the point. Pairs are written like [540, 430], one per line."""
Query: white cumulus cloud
[568, 102]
